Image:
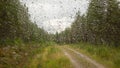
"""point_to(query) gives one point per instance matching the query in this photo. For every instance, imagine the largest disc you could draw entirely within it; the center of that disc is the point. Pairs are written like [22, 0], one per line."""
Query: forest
[95, 34]
[99, 26]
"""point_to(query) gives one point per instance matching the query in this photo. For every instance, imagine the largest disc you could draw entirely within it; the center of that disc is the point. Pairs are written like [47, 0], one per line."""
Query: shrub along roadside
[18, 56]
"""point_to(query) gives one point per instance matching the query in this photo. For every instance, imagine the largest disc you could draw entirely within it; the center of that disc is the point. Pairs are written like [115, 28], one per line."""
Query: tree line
[100, 25]
[15, 25]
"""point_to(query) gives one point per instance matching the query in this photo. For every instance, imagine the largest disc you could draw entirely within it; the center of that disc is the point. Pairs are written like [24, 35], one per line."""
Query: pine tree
[112, 25]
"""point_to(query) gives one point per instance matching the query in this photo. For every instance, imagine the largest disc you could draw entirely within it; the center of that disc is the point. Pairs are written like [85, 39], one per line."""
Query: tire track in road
[73, 61]
[79, 60]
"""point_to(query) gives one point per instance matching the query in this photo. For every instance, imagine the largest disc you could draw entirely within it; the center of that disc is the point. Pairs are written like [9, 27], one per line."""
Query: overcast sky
[54, 15]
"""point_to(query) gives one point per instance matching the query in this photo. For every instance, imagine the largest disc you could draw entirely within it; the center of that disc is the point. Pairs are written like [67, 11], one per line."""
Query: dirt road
[79, 60]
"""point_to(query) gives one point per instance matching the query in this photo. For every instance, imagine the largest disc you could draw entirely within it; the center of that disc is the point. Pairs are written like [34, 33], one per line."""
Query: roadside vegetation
[109, 56]
[19, 56]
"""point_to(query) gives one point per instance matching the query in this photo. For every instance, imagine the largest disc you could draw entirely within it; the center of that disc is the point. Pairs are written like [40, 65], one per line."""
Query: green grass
[52, 57]
[106, 55]
[19, 56]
